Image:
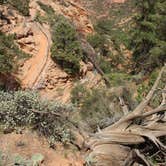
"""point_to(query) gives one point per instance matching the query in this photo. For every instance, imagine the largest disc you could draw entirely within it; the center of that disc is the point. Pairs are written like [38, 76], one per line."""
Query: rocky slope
[28, 144]
[39, 71]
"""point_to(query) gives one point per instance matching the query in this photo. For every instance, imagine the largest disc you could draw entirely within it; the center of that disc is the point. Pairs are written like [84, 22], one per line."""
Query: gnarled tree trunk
[135, 138]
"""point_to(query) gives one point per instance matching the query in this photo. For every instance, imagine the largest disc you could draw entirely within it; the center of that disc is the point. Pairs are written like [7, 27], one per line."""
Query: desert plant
[21, 6]
[7, 158]
[119, 79]
[99, 43]
[148, 37]
[25, 108]
[48, 9]
[97, 105]
[50, 16]
[9, 53]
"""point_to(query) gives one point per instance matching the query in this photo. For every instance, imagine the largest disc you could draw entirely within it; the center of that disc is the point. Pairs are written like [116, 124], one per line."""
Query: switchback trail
[38, 63]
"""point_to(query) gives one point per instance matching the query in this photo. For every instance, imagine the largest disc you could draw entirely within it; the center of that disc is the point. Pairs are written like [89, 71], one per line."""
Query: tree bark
[127, 132]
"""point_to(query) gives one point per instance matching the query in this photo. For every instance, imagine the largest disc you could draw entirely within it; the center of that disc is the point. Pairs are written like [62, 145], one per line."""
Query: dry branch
[124, 106]
[90, 55]
[127, 132]
[126, 120]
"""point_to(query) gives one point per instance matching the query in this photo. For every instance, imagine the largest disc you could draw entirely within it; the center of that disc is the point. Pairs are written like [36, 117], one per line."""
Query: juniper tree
[66, 49]
[148, 38]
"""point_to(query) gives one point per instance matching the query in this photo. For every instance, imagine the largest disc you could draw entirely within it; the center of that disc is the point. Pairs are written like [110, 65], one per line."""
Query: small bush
[78, 94]
[100, 107]
[17, 110]
[66, 49]
[39, 18]
[144, 87]
[21, 5]
[100, 43]
[118, 79]
[9, 53]
[48, 9]
[50, 17]
[7, 158]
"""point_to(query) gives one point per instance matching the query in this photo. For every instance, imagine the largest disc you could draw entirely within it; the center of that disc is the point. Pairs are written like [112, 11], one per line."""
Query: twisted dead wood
[125, 142]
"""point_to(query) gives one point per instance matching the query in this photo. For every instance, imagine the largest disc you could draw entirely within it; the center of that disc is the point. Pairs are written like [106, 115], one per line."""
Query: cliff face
[71, 9]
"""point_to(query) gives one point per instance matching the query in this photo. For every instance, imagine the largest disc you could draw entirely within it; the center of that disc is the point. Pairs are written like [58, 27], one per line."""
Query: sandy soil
[28, 144]
[35, 65]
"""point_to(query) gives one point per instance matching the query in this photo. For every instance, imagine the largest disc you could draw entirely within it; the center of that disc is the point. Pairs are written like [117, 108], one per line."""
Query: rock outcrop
[39, 71]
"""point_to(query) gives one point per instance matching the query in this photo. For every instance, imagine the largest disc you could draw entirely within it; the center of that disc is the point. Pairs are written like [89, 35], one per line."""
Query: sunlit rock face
[109, 2]
[118, 1]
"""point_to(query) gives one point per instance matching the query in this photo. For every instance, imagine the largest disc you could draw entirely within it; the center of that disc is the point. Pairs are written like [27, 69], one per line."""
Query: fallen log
[125, 142]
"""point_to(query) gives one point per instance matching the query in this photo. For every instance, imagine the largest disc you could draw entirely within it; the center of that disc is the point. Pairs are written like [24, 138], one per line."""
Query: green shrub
[104, 27]
[39, 18]
[116, 34]
[144, 87]
[48, 9]
[21, 5]
[7, 158]
[50, 17]
[17, 110]
[119, 79]
[148, 39]
[100, 107]
[104, 64]
[78, 93]
[66, 49]
[99, 43]
[9, 53]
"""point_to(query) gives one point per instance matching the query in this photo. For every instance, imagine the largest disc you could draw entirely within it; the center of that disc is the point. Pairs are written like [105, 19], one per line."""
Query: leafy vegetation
[21, 6]
[66, 49]
[148, 40]
[97, 106]
[119, 79]
[15, 159]
[25, 108]
[99, 43]
[144, 87]
[49, 17]
[9, 53]
[115, 34]
[48, 9]
[112, 39]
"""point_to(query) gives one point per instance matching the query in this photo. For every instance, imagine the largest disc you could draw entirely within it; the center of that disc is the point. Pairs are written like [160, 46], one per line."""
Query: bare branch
[41, 112]
[126, 120]
[129, 160]
[136, 156]
[155, 111]
[164, 96]
[123, 105]
[140, 158]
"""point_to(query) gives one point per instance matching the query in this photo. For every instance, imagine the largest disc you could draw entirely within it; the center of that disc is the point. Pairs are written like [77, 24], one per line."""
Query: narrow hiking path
[37, 64]
[46, 58]
[34, 70]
